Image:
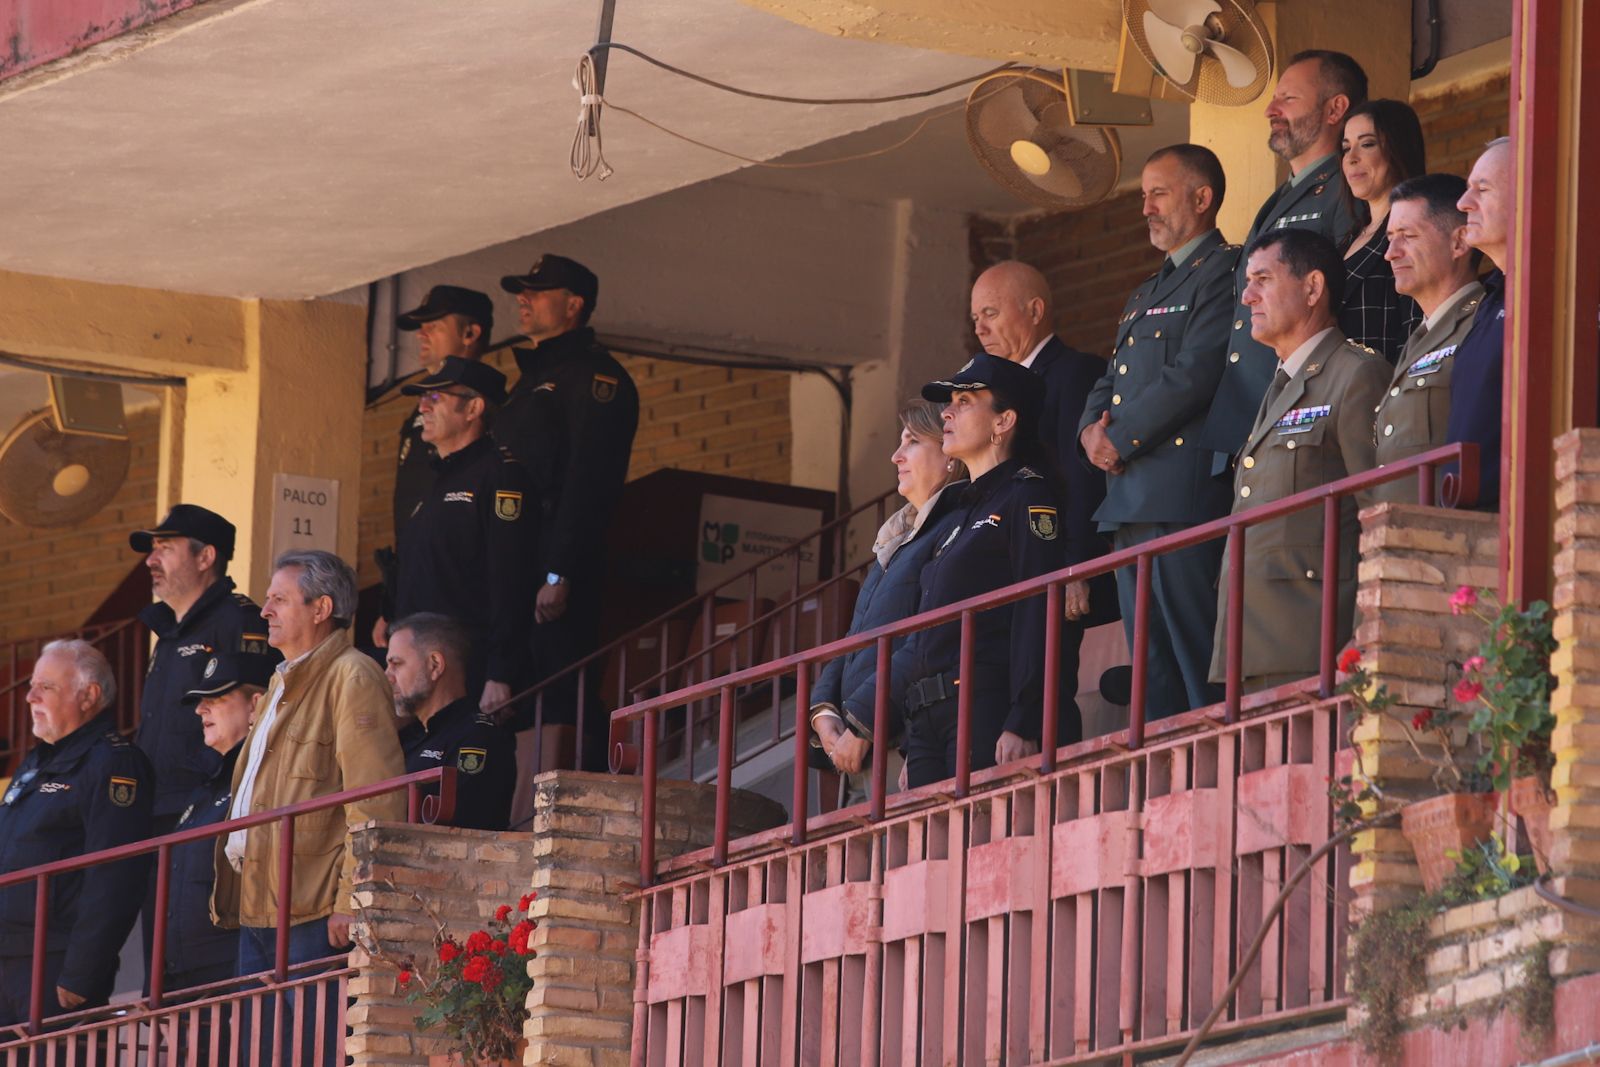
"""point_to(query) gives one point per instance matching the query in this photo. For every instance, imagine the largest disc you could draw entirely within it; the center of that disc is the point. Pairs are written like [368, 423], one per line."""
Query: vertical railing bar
[280, 963]
[158, 936]
[802, 740]
[647, 804]
[880, 729]
[1049, 728]
[964, 705]
[1233, 657]
[577, 741]
[1330, 595]
[719, 844]
[1141, 651]
[41, 925]
[1425, 480]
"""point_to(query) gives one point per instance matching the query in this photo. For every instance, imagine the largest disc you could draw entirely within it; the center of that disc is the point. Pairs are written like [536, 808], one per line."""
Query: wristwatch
[554, 579]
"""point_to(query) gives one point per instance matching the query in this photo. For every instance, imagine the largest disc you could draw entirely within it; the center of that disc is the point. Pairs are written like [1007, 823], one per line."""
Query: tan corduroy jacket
[334, 730]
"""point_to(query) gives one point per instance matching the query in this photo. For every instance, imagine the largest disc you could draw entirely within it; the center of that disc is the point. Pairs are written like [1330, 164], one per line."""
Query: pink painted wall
[34, 32]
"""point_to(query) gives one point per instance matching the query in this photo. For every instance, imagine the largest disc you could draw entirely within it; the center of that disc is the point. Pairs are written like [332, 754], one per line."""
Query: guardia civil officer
[1313, 427]
[468, 549]
[570, 420]
[1315, 91]
[450, 321]
[1434, 265]
[82, 788]
[1009, 530]
[427, 658]
[1141, 422]
[1476, 383]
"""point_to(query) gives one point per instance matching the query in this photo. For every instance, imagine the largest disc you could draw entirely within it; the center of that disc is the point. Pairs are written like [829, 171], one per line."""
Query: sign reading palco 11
[305, 513]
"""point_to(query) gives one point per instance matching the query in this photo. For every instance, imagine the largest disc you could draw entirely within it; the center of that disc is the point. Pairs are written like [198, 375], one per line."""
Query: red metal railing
[125, 645]
[418, 807]
[689, 923]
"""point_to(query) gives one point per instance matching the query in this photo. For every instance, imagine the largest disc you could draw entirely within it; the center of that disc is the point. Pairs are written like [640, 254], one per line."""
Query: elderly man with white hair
[82, 788]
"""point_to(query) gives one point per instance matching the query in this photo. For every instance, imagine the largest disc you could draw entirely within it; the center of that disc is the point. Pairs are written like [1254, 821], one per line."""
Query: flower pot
[1532, 799]
[1438, 826]
[456, 1059]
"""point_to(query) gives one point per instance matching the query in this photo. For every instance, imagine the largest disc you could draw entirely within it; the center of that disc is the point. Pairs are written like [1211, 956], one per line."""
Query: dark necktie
[1167, 267]
[1279, 380]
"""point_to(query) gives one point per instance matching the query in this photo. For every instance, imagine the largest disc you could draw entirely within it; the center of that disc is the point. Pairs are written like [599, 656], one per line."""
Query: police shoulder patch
[507, 504]
[471, 760]
[1042, 521]
[123, 790]
[604, 388]
[1025, 473]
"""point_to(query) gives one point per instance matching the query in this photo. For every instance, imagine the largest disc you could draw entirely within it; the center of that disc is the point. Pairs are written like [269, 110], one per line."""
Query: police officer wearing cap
[1434, 265]
[467, 550]
[1141, 421]
[426, 667]
[1306, 114]
[82, 788]
[1313, 427]
[197, 951]
[1009, 530]
[451, 321]
[570, 420]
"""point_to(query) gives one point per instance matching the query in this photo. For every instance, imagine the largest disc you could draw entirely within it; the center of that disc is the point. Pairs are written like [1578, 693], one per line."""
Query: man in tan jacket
[325, 725]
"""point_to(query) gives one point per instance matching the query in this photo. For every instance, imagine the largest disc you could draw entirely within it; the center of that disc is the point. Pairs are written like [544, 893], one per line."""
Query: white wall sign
[736, 534]
[305, 513]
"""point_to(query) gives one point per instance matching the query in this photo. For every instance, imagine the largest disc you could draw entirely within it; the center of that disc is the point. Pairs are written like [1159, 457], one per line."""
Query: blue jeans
[258, 947]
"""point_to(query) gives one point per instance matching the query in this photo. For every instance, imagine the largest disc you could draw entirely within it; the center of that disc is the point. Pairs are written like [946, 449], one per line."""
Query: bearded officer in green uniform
[1434, 265]
[1314, 427]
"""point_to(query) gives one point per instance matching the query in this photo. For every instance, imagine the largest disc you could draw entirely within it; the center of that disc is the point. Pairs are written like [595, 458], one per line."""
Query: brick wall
[51, 580]
[712, 419]
[1457, 122]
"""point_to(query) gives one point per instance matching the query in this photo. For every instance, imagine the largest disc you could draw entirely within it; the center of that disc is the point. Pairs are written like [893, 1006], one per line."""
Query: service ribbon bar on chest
[1167, 310]
[1298, 419]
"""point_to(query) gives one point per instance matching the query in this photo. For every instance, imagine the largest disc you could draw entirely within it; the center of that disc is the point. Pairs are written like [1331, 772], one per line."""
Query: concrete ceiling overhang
[1055, 33]
[293, 148]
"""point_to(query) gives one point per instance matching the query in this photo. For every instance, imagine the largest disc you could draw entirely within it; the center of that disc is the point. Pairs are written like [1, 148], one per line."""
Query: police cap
[479, 377]
[445, 300]
[189, 520]
[225, 673]
[1020, 387]
[556, 272]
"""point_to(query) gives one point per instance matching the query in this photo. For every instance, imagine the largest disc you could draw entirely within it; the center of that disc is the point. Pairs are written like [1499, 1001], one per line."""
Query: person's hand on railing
[1011, 747]
[67, 998]
[495, 696]
[848, 752]
[1077, 599]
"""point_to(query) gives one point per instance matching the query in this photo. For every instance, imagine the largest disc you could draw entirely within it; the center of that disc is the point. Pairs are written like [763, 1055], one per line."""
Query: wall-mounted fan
[62, 464]
[1020, 126]
[1213, 51]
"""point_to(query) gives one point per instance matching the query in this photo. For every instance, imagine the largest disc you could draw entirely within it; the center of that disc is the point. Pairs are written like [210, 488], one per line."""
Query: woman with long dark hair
[1383, 146]
[1008, 529]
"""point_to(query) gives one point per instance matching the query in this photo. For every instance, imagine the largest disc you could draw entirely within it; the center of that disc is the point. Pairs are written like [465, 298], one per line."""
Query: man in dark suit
[1142, 417]
[1315, 92]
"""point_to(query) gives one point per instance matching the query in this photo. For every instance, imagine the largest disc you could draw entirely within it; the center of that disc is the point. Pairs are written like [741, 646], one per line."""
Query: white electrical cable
[588, 150]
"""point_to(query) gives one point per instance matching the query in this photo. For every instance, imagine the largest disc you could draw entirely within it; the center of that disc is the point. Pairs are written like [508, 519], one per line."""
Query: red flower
[519, 937]
[477, 969]
[527, 898]
[1349, 660]
[501, 912]
[1466, 692]
[404, 977]
[448, 951]
[1422, 719]
[497, 946]
[477, 941]
[1463, 599]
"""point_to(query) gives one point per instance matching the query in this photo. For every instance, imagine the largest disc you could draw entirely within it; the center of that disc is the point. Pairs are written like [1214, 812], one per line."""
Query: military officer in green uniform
[1142, 416]
[1314, 427]
[1307, 111]
[1434, 265]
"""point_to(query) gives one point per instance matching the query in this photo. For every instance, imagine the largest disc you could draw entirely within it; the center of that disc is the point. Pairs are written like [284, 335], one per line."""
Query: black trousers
[556, 646]
[1181, 619]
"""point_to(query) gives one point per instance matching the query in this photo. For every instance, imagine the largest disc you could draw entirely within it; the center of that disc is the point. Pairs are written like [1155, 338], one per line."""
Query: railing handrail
[105, 630]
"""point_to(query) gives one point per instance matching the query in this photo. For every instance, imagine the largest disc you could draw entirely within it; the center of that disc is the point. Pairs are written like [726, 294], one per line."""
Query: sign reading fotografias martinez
[305, 513]
[736, 534]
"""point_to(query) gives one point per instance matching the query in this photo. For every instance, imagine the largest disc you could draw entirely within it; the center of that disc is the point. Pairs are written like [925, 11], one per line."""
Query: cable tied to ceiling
[588, 149]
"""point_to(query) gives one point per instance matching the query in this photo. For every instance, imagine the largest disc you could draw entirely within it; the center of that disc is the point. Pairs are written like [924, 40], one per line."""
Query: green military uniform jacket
[1316, 431]
[1170, 351]
[1413, 414]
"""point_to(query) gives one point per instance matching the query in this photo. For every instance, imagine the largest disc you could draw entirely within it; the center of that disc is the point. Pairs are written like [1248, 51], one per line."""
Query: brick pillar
[1412, 559]
[583, 859]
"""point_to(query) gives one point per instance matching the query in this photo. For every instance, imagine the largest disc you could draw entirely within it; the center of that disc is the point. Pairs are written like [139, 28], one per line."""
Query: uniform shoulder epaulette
[117, 739]
[1024, 473]
[243, 601]
[1358, 346]
[1471, 304]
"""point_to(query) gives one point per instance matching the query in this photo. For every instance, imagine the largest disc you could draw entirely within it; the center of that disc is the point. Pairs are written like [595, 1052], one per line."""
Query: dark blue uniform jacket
[1476, 388]
[483, 754]
[195, 947]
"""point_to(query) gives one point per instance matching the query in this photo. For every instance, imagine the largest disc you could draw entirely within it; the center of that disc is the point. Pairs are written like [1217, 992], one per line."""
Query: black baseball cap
[556, 272]
[1022, 387]
[223, 673]
[479, 377]
[445, 300]
[189, 520]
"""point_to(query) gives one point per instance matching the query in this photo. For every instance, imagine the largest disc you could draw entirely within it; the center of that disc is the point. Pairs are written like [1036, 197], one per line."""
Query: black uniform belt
[927, 692]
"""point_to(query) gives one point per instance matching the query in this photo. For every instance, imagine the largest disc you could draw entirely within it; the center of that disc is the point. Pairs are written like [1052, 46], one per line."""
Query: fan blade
[1090, 137]
[1235, 64]
[1166, 45]
[1182, 13]
[1004, 116]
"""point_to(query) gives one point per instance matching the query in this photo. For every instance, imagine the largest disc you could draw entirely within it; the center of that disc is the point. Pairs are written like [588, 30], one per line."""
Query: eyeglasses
[433, 396]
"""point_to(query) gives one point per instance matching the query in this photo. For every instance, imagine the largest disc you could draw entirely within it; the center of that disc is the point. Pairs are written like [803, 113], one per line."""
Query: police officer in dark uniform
[1010, 530]
[570, 420]
[427, 658]
[1315, 91]
[451, 321]
[1141, 420]
[468, 549]
[81, 789]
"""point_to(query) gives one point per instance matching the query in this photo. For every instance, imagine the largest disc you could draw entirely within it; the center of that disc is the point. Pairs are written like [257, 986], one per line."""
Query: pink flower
[1349, 660]
[1473, 665]
[1466, 691]
[1422, 719]
[1463, 599]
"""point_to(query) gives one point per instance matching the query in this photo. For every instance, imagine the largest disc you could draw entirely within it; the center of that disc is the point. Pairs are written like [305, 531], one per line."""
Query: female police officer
[1009, 531]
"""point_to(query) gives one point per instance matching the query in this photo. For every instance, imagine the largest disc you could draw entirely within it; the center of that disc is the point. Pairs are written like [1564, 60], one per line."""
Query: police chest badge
[123, 790]
[405, 448]
[471, 760]
[1042, 521]
[507, 505]
[211, 668]
[604, 388]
